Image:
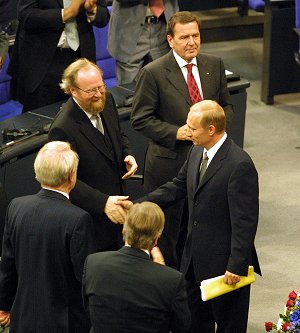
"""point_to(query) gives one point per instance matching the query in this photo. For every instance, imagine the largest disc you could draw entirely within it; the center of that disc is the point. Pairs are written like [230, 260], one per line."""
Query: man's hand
[230, 278]
[131, 166]
[126, 204]
[90, 6]
[182, 133]
[72, 10]
[157, 256]
[4, 318]
[114, 210]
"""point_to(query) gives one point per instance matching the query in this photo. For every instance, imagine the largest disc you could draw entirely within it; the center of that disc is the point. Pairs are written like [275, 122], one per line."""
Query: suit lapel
[90, 132]
[204, 76]
[215, 164]
[175, 77]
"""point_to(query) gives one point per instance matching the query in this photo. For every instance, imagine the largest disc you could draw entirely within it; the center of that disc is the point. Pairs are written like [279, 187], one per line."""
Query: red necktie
[192, 86]
[156, 7]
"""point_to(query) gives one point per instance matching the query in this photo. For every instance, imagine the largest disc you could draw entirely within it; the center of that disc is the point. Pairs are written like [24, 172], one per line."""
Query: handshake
[116, 208]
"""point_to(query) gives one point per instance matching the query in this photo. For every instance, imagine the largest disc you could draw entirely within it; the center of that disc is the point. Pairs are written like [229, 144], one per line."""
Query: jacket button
[195, 223]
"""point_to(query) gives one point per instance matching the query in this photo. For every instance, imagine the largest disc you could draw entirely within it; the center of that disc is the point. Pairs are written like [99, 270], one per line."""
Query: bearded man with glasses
[89, 122]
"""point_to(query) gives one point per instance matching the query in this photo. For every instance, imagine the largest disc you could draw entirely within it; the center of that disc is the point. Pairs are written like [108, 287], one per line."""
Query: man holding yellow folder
[221, 183]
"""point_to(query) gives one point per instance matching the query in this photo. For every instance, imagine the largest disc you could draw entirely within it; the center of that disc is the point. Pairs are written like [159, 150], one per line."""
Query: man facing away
[221, 184]
[125, 291]
[46, 240]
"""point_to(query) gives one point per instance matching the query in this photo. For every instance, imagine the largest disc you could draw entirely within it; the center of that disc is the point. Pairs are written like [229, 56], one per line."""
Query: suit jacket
[46, 240]
[160, 106]
[40, 28]
[223, 211]
[125, 292]
[126, 25]
[100, 169]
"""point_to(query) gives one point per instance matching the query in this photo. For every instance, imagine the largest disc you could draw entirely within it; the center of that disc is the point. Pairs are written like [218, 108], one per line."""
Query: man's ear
[170, 41]
[212, 130]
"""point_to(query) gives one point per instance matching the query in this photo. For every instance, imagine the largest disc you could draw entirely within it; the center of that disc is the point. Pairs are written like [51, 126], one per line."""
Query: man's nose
[191, 40]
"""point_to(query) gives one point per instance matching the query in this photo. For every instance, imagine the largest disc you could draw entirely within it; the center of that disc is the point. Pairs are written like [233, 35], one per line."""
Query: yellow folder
[215, 287]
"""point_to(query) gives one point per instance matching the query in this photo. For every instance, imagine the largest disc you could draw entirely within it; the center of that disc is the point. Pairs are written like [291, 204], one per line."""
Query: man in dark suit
[223, 217]
[89, 121]
[46, 241]
[51, 35]
[125, 292]
[160, 106]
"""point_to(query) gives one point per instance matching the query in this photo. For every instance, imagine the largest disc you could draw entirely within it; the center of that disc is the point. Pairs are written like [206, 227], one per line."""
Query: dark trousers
[229, 312]
[48, 91]
[168, 241]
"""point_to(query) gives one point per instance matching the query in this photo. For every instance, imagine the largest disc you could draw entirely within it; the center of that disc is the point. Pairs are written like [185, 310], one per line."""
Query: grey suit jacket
[125, 27]
[223, 211]
[160, 106]
[46, 240]
[125, 292]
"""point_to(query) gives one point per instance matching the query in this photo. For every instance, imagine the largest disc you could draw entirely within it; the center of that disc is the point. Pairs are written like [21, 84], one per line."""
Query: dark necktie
[156, 7]
[192, 85]
[98, 123]
[203, 166]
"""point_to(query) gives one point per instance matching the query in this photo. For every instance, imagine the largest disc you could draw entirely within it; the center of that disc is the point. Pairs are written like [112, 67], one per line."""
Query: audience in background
[51, 35]
[160, 107]
[137, 34]
[125, 292]
[223, 218]
[46, 240]
[89, 120]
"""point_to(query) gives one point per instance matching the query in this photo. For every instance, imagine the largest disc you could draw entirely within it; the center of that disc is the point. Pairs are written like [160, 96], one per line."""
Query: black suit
[223, 217]
[46, 241]
[161, 104]
[100, 168]
[125, 292]
[35, 52]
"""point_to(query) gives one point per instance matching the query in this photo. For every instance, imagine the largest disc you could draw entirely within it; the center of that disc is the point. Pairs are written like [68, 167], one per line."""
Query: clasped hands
[73, 10]
[116, 208]
[4, 318]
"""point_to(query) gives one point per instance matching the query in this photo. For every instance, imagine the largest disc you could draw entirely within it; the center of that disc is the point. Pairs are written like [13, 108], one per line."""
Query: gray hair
[54, 163]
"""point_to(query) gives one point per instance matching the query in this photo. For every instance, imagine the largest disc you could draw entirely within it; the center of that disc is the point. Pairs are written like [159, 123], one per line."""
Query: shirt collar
[213, 150]
[89, 115]
[61, 192]
[140, 249]
[181, 62]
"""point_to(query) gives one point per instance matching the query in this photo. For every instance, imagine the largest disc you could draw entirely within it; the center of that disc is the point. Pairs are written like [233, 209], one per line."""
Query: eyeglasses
[92, 92]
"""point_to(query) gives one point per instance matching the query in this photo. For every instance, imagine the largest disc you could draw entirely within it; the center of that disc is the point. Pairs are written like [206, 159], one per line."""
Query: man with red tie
[137, 34]
[165, 91]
